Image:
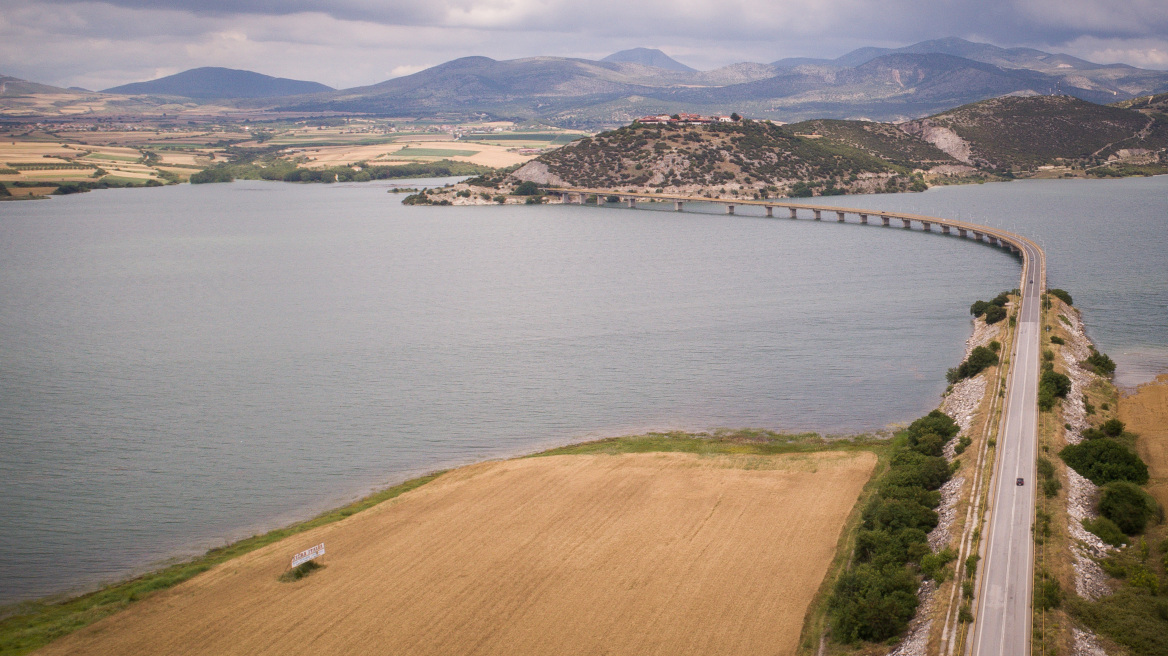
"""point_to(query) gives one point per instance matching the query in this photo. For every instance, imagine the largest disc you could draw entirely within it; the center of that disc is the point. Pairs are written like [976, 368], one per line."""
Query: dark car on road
[1021, 481]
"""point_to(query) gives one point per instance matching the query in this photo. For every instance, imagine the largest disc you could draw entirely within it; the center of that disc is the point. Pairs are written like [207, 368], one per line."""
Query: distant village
[686, 119]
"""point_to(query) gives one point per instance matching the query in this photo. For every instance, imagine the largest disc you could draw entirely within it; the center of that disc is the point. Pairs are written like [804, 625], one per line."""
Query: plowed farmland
[581, 554]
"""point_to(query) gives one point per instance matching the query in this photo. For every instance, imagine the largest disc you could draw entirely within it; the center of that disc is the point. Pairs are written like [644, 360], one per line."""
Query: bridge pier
[885, 220]
[945, 229]
[730, 208]
[770, 211]
[928, 227]
[817, 214]
[905, 223]
[632, 202]
[839, 216]
[864, 219]
[677, 205]
[794, 214]
[976, 235]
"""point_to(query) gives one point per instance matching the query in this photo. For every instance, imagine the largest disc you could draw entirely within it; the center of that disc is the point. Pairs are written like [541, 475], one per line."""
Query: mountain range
[211, 82]
[869, 83]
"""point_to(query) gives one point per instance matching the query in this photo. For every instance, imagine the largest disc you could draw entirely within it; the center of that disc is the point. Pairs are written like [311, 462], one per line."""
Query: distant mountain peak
[215, 82]
[648, 57]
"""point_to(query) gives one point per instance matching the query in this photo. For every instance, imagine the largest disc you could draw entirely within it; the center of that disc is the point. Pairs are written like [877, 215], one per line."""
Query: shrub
[994, 314]
[212, 175]
[1051, 487]
[1127, 505]
[980, 358]
[1100, 363]
[1103, 461]
[1048, 593]
[872, 604]
[66, 188]
[933, 564]
[936, 422]
[1055, 339]
[1143, 579]
[1052, 385]
[978, 308]
[1112, 428]
[875, 599]
[1060, 294]
[527, 188]
[1106, 530]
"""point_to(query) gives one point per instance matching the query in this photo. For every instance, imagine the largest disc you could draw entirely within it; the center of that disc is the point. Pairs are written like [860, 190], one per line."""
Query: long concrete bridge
[1002, 623]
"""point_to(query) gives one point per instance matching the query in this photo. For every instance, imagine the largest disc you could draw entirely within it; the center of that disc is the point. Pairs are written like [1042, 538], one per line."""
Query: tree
[735, 117]
[1102, 461]
[994, 313]
[1127, 505]
[1112, 428]
[527, 188]
[1061, 294]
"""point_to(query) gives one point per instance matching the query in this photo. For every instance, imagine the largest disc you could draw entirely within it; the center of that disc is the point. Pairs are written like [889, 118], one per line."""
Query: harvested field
[413, 149]
[1146, 413]
[655, 553]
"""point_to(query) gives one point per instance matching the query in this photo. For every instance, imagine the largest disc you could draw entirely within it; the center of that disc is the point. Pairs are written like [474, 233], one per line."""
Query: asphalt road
[1003, 618]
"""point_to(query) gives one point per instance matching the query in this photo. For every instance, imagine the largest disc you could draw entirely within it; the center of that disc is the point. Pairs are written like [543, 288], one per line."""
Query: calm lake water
[184, 366]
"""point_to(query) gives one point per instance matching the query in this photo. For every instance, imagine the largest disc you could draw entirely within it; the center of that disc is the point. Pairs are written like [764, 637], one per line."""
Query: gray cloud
[352, 42]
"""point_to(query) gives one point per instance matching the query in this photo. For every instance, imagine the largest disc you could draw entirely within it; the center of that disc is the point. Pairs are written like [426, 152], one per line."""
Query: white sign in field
[308, 554]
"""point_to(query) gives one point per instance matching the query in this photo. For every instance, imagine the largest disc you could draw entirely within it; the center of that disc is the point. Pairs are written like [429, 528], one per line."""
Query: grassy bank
[30, 625]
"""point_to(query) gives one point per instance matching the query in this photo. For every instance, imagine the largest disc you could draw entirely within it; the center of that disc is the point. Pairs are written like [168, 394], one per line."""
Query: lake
[184, 366]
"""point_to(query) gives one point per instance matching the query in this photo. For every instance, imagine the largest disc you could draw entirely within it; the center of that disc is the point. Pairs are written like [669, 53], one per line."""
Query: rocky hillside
[1003, 138]
[1022, 134]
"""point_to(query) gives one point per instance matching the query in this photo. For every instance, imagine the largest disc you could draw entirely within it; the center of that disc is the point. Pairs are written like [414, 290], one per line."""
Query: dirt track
[1146, 414]
[628, 554]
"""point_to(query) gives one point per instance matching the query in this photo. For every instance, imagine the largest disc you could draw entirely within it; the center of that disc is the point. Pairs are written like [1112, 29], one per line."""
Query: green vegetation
[300, 571]
[980, 359]
[410, 151]
[423, 198]
[1129, 506]
[260, 166]
[876, 597]
[527, 188]
[1105, 460]
[1052, 385]
[993, 310]
[31, 625]
[1099, 363]
[1046, 474]
[1061, 294]
[744, 441]
[1106, 530]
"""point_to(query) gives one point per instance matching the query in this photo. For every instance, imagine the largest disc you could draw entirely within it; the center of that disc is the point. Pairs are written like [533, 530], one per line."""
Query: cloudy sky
[345, 43]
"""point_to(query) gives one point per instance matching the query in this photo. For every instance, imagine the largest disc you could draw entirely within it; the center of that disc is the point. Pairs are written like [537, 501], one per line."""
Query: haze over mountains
[873, 83]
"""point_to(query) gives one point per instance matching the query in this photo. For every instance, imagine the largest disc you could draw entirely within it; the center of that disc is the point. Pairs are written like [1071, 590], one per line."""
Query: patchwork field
[412, 150]
[1146, 414]
[653, 553]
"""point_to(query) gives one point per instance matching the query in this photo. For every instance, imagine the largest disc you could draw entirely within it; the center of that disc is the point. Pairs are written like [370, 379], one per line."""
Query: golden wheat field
[579, 554]
[1146, 414]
